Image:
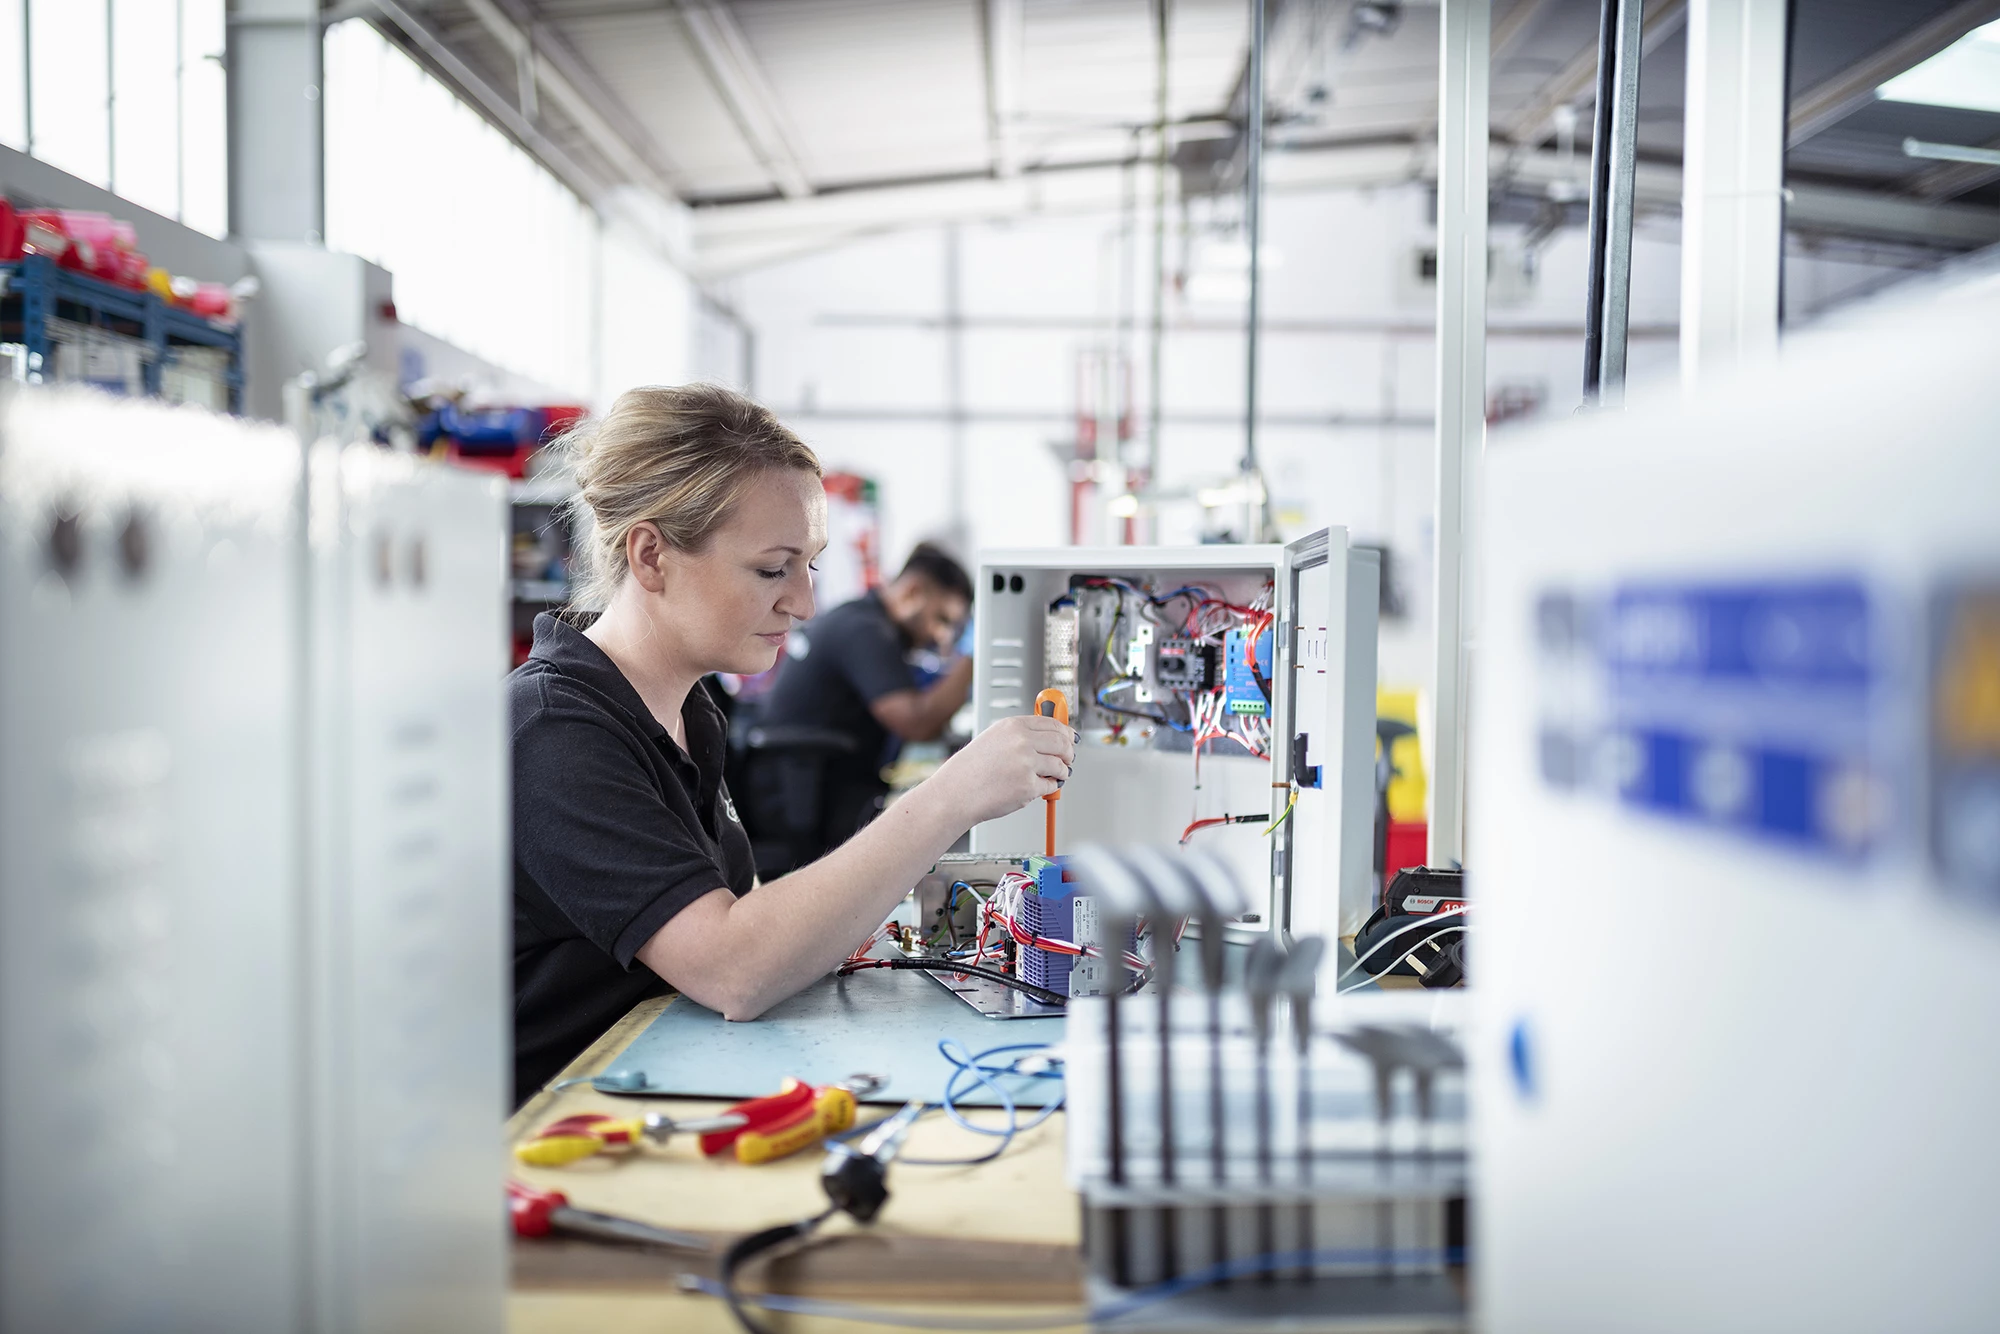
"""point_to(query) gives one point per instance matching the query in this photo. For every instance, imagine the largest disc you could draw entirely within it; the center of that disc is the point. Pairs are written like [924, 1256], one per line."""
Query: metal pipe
[1600, 190]
[1613, 162]
[1619, 204]
[1157, 340]
[1253, 196]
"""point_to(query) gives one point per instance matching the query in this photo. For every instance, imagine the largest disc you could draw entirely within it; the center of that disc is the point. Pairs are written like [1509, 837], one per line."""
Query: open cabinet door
[1322, 859]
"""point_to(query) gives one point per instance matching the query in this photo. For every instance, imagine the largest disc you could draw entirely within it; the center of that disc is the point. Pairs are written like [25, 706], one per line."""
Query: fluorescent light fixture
[1123, 507]
[1965, 74]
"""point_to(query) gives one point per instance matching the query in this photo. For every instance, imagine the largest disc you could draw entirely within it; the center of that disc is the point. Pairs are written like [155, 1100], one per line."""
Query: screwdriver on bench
[536, 1213]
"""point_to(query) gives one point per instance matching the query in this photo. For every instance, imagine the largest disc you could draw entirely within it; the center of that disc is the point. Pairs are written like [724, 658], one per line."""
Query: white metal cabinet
[409, 891]
[1318, 863]
[151, 976]
[1736, 834]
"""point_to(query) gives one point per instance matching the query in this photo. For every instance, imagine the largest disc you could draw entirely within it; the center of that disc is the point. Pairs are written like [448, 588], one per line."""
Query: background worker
[845, 699]
[632, 872]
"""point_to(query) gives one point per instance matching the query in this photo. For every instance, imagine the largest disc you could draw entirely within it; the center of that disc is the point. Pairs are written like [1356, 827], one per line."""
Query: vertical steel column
[277, 150]
[1253, 199]
[1732, 184]
[1463, 123]
[1157, 340]
[1613, 159]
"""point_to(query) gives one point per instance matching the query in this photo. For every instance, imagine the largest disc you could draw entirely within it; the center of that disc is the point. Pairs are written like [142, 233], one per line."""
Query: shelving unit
[539, 526]
[37, 298]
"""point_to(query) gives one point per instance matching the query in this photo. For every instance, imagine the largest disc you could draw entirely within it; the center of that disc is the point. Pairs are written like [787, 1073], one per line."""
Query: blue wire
[967, 1063]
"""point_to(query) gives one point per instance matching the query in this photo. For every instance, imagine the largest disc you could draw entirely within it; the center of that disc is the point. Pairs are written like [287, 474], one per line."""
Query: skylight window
[1965, 74]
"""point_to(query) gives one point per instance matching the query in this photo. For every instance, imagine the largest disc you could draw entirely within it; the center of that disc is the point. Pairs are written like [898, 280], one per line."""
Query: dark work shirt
[616, 829]
[836, 665]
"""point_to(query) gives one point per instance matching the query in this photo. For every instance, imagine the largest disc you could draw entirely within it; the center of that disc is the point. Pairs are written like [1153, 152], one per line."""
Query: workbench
[998, 1237]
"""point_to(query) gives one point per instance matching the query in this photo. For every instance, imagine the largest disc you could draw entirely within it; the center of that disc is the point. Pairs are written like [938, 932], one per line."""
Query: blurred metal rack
[545, 534]
[42, 307]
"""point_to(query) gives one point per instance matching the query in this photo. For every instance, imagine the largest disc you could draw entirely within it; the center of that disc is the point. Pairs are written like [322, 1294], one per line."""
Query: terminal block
[1241, 692]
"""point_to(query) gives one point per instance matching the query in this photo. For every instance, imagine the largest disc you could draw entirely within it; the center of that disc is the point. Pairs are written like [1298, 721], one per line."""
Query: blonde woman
[632, 873]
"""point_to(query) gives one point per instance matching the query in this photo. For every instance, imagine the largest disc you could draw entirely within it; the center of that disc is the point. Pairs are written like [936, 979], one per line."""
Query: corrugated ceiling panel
[876, 89]
[1092, 62]
[647, 60]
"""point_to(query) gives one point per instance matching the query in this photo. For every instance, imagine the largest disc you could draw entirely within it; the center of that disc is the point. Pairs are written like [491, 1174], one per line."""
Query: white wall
[1347, 337]
[853, 348]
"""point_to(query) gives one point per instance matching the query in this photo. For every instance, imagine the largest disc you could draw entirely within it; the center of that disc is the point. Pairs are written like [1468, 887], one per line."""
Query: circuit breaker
[1191, 674]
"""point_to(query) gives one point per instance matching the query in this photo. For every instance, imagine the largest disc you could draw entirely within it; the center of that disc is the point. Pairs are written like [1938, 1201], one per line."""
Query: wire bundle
[1207, 618]
[1003, 909]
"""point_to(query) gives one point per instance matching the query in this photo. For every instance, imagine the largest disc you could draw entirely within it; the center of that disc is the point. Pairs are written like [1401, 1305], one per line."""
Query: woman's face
[729, 607]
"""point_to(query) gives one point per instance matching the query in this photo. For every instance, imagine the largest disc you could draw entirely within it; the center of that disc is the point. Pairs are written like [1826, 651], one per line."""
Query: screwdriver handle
[1059, 708]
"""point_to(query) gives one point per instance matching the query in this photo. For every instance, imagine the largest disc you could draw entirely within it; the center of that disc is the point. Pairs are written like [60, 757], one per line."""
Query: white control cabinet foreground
[409, 889]
[1219, 690]
[152, 1125]
[1736, 839]
[253, 889]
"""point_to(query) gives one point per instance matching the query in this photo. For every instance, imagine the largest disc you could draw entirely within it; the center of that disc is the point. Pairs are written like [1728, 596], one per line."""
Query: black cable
[745, 1248]
[1028, 989]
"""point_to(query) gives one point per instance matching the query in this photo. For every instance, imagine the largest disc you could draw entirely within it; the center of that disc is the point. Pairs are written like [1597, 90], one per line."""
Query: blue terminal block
[1048, 912]
[1240, 691]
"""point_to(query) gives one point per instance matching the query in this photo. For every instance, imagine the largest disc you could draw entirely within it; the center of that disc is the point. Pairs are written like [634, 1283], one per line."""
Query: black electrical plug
[856, 1177]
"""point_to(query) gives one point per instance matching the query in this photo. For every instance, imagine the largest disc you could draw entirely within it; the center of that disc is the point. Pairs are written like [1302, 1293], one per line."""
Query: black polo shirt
[836, 665]
[616, 829]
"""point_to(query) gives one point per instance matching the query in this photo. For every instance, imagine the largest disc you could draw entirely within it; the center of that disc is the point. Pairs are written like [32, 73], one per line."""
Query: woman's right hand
[1008, 765]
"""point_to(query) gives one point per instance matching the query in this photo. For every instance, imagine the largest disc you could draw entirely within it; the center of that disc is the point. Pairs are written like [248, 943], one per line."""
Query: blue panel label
[1749, 708]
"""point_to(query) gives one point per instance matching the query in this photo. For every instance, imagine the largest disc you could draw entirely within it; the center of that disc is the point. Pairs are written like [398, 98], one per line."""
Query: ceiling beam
[731, 238]
[733, 69]
[1529, 126]
[1006, 32]
[551, 65]
[1854, 87]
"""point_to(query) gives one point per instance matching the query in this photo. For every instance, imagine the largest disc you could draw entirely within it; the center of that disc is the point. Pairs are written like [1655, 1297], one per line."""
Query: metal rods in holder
[1219, 1139]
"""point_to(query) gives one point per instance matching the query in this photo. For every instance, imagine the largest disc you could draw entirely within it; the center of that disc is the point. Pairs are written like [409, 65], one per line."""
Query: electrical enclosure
[1058, 619]
[408, 889]
[253, 889]
[1736, 829]
[152, 1123]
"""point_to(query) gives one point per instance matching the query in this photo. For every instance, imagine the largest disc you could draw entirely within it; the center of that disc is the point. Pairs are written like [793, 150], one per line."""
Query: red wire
[1189, 832]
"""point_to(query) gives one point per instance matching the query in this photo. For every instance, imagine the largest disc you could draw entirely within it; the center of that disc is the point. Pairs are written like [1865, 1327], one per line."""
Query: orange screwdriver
[1059, 703]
